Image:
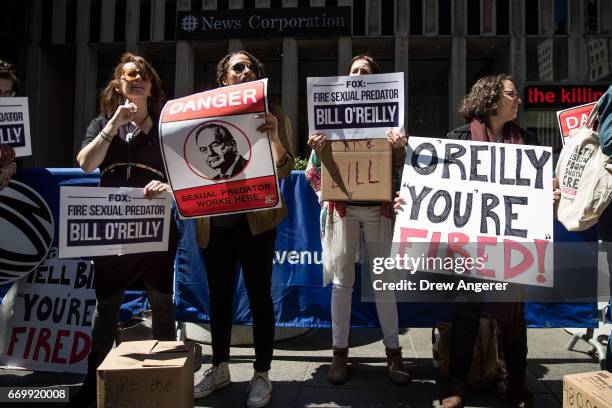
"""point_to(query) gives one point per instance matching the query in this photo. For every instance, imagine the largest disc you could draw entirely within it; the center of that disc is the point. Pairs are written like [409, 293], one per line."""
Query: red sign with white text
[217, 160]
[573, 118]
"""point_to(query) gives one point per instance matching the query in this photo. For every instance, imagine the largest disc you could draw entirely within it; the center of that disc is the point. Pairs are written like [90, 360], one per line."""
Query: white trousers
[378, 236]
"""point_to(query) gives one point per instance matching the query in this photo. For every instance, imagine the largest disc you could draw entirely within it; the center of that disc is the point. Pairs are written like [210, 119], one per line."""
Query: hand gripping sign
[216, 160]
[489, 203]
[15, 125]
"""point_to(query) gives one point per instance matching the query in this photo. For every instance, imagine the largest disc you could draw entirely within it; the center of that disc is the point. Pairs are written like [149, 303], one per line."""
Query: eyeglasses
[7, 94]
[131, 75]
[240, 67]
[511, 94]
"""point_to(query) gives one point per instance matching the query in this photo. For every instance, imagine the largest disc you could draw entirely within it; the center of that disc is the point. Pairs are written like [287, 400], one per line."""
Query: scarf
[482, 133]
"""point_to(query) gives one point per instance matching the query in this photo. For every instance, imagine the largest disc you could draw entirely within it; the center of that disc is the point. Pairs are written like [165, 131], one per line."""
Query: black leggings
[228, 245]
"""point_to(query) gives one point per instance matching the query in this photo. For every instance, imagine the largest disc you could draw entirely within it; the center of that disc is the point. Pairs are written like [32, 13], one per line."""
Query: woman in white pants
[341, 223]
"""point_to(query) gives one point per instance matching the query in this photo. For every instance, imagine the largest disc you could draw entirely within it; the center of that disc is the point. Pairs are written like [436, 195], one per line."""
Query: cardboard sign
[112, 221]
[46, 318]
[216, 160]
[15, 125]
[488, 201]
[588, 390]
[573, 118]
[357, 170]
[147, 373]
[356, 107]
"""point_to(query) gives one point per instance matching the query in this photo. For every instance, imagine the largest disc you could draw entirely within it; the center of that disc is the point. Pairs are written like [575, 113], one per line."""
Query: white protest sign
[356, 107]
[487, 201]
[46, 318]
[216, 160]
[15, 125]
[112, 221]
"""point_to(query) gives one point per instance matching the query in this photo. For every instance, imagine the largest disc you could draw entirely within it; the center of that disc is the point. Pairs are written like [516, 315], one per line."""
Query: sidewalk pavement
[299, 373]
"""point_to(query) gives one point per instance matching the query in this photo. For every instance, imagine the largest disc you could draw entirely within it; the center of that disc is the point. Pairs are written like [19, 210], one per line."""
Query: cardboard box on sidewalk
[357, 170]
[147, 373]
[592, 390]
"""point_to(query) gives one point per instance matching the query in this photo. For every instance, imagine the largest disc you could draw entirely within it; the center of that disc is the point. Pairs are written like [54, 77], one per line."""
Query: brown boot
[338, 370]
[519, 392]
[397, 372]
[455, 397]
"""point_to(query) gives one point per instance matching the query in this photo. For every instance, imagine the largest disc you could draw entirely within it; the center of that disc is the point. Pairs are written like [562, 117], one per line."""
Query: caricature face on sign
[217, 150]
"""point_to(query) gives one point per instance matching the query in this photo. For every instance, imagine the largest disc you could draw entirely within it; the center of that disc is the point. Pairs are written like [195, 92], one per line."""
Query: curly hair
[110, 98]
[484, 98]
[374, 67]
[223, 66]
[7, 71]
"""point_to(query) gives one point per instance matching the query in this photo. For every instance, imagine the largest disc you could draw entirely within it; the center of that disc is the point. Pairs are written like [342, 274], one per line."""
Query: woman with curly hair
[123, 142]
[491, 108]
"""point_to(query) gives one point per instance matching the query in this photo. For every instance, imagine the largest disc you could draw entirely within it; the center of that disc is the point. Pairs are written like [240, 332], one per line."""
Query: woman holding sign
[123, 142]
[491, 107]
[341, 223]
[247, 238]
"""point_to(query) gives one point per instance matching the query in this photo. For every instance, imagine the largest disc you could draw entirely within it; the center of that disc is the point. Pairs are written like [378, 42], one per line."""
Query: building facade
[65, 50]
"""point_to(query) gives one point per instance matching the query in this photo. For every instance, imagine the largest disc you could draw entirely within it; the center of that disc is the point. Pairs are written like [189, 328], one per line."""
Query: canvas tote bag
[584, 173]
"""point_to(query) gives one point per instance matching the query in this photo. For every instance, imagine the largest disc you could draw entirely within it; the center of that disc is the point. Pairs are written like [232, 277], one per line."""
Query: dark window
[532, 17]
[71, 16]
[473, 17]
[560, 16]
[94, 21]
[444, 17]
[592, 17]
[249, 4]
[416, 17]
[47, 10]
[120, 6]
[170, 20]
[196, 5]
[276, 4]
[144, 31]
[359, 20]
[503, 17]
[387, 11]
[331, 3]
[303, 3]
[222, 4]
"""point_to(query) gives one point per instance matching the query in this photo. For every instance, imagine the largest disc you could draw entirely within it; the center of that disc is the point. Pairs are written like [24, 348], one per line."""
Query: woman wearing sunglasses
[249, 239]
[123, 142]
[341, 225]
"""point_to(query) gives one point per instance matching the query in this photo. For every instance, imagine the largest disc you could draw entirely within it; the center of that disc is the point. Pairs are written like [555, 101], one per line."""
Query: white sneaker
[214, 378]
[260, 390]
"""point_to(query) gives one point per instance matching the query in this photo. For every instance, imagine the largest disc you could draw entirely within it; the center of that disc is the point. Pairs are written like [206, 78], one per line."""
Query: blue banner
[297, 292]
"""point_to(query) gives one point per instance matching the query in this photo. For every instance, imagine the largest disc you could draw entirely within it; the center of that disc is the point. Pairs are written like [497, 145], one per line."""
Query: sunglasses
[240, 67]
[131, 75]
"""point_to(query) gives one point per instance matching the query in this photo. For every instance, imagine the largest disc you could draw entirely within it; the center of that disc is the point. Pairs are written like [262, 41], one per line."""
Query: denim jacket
[605, 122]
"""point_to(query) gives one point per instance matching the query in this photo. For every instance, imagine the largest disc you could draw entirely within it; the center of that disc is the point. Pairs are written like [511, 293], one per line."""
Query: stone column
[185, 61]
[86, 74]
[132, 25]
[107, 21]
[458, 64]
[158, 20]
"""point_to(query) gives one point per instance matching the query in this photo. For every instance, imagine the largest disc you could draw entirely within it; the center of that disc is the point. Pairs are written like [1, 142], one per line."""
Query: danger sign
[216, 160]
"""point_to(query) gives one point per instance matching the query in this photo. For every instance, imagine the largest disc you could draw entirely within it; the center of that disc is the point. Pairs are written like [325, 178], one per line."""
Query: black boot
[86, 396]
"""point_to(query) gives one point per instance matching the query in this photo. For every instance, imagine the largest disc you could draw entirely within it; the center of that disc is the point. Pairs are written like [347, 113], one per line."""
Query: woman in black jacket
[491, 108]
[123, 142]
